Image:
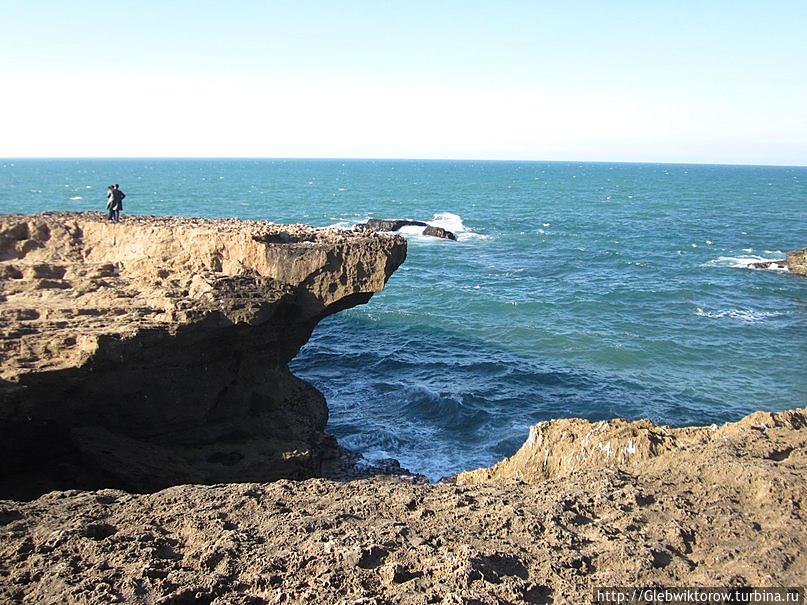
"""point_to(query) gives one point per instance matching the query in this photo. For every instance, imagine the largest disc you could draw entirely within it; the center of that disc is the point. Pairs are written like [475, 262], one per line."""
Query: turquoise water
[593, 290]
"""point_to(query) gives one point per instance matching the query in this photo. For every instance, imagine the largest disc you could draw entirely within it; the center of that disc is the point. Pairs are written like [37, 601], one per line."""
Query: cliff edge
[154, 352]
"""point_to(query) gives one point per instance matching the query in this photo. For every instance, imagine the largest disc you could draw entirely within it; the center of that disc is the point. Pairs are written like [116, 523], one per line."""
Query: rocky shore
[141, 357]
[581, 505]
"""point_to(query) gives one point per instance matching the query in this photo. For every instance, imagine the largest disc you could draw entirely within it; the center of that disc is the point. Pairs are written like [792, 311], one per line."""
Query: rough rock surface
[714, 506]
[388, 225]
[797, 261]
[154, 352]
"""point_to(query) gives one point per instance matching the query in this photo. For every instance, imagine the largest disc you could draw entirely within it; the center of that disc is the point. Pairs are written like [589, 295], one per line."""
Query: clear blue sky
[633, 81]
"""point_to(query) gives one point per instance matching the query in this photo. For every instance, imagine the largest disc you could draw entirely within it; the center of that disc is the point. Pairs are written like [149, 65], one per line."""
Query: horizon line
[407, 159]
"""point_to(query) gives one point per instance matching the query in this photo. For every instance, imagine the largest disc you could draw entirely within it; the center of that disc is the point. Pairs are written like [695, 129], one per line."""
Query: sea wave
[745, 262]
[453, 222]
[747, 315]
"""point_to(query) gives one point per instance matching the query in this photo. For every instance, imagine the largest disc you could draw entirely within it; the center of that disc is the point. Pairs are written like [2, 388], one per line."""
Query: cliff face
[154, 352]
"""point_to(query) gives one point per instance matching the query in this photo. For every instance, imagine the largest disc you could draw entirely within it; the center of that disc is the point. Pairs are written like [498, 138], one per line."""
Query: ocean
[574, 289]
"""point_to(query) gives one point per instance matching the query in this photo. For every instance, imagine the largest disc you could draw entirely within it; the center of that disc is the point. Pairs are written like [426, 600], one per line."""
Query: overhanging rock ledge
[155, 351]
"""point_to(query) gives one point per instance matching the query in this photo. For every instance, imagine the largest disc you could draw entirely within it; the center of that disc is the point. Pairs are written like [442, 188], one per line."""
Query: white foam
[411, 230]
[341, 225]
[747, 315]
[76, 197]
[744, 262]
[453, 222]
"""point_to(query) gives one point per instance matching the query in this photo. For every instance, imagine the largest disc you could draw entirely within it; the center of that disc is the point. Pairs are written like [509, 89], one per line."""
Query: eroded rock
[389, 225]
[154, 351]
[701, 506]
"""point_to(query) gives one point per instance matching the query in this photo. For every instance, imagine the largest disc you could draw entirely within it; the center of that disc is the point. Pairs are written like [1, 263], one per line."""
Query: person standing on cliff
[119, 195]
[110, 202]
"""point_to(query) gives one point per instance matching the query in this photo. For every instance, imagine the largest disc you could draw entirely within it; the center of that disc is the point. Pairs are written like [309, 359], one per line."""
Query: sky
[648, 81]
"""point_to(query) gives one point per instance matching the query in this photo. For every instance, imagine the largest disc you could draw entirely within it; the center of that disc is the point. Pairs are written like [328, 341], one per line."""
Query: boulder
[439, 232]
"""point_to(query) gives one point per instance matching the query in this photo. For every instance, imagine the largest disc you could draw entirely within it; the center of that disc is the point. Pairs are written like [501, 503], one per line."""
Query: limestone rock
[797, 261]
[702, 506]
[154, 351]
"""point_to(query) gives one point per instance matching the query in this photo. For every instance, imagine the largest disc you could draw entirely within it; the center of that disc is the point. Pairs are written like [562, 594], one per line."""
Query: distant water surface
[593, 290]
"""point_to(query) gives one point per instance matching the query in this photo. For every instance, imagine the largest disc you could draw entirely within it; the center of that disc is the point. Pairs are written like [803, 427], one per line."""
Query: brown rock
[154, 352]
[797, 261]
[698, 506]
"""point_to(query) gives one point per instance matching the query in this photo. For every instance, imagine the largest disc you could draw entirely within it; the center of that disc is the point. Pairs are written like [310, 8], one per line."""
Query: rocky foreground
[153, 354]
[602, 504]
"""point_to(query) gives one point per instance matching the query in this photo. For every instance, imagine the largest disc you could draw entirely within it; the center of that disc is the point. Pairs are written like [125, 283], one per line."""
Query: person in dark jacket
[110, 202]
[117, 202]
[119, 195]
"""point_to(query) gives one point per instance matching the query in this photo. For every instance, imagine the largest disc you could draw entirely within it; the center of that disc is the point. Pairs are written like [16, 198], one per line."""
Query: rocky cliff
[154, 352]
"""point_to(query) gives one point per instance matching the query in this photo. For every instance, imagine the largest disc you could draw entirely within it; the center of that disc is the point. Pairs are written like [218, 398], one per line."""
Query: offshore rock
[377, 224]
[154, 352]
[439, 232]
[380, 224]
[769, 264]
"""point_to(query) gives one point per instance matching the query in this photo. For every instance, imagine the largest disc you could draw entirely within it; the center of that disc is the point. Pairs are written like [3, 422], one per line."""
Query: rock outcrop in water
[389, 225]
[796, 262]
[604, 504]
[154, 352]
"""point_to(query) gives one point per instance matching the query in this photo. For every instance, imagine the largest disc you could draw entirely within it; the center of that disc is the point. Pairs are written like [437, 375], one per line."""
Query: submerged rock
[769, 264]
[154, 352]
[796, 262]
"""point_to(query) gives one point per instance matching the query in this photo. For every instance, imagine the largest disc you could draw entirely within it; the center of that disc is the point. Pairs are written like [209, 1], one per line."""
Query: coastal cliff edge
[154, 352]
